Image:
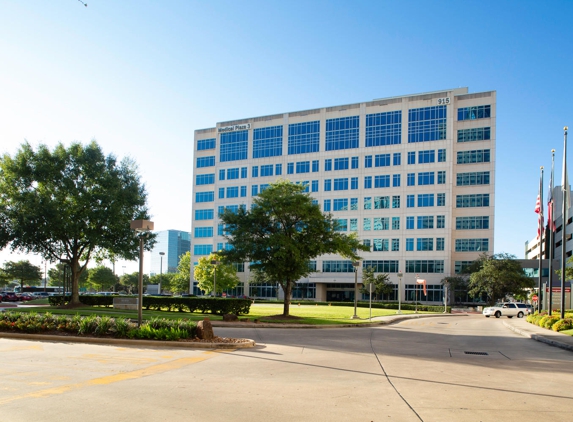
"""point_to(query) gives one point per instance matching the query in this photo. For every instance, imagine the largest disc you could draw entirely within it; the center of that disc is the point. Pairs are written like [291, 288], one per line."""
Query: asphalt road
[415, 370]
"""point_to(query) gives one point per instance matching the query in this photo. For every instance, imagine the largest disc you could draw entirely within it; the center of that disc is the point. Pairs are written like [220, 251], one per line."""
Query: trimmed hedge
[217, 306]
[100, 326]
[380, 305]
[553, 322]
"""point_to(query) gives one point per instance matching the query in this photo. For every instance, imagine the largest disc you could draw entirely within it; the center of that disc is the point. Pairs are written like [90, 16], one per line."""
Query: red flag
[539, 211]
[420, 281]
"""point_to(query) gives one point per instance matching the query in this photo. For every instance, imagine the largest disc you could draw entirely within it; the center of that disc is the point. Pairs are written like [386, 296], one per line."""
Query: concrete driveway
[460, 368]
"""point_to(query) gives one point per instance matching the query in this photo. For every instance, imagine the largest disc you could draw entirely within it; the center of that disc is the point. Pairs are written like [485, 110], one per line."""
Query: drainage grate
[476, 353]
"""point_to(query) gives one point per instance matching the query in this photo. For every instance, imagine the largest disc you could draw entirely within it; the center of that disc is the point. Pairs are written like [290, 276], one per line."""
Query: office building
[173, 244]
[412, 175]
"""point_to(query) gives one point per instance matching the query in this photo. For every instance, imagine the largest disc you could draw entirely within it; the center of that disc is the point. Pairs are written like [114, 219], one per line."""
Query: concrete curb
[127, 342]
[539, 337]
[375, 322]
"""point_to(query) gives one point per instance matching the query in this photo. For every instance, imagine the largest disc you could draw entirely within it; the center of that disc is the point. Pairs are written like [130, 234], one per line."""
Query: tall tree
[56, 275]
[23, 271]
[180, 283]
[102, 278]
[68, 204]
[222, 275]
[500, 275]
[381, 282]
[282, 232]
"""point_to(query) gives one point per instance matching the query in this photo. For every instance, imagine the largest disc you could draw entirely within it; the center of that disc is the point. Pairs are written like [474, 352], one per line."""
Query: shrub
[563, 324]
[548, 321]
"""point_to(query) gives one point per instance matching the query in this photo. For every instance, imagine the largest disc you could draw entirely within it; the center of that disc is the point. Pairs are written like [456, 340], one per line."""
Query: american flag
[423, 282]
[539, 212]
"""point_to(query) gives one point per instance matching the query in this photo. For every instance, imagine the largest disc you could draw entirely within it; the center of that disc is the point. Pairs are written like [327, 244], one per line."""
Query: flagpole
[565, 189]
[551, 221]
[541, 238]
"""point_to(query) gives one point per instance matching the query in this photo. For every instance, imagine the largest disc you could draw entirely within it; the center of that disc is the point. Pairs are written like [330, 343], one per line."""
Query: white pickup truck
[508, 309]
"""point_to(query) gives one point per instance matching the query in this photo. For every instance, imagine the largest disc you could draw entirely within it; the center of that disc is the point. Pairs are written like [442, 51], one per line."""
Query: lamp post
[141, 227]
[355, 264]
[446, 297]
[400, 275]
[215, 263]
[160, 270]
[416, 291]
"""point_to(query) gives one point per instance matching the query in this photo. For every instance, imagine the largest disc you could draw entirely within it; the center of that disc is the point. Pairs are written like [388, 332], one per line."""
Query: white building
[413, 176]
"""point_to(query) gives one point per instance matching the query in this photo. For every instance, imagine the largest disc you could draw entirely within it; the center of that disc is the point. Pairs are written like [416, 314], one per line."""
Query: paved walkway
[521, 326]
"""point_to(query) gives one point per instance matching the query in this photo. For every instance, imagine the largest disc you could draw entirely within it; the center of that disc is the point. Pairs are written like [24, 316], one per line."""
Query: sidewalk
[521, 326]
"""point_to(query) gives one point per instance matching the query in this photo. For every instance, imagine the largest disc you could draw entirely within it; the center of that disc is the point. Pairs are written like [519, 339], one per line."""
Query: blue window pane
[205, 196]
[234, 146]
[426, 178]
[243, 191]
[303, 167]
[205, 144]
[341, 163]
[341, 184]
[427, 124]
[279, 169]
[395, 180]
[314, 187]
[254, 190]
[409, 223]
[326, 207]
[328, 164]
[207, 214]
[354, 162]
[426, 156]
[290, 168]
[267, 170]
[409, 245]
[411, 179]
[315, 164]
[368, 182]
[268, 142]
[243, 172]
[382, 181]
[205, 161]
[383, 128]
[426, 200]
[221, 193]
[368, 161]
[475, 112]
[381, 160]
[397, 159]
[233, 174]
[303, 137]
[255, 171]
[205, 179]
[342, 133]
[354, 183]
[327, 185]
[410, 201]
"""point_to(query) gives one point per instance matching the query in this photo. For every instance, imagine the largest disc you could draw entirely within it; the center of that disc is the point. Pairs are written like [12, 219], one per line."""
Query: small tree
[131, 281]
[282, 232]
[102, 278]
[182, 279]
[23, 271]
[455, 284]
[382, 284]
[222, 274]
[165, 280]
[500, 275]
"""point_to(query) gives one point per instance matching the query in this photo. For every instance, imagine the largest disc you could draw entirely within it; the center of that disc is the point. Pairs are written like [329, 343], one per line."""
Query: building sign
[444, 101]
[233, 128]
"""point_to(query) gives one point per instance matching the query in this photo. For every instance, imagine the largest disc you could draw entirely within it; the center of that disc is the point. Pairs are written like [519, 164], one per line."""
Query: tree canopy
[70, 203]
[23, 271]
[381, 282]
[223, 275]
[282, 232]
[102, 278]
[499, 276]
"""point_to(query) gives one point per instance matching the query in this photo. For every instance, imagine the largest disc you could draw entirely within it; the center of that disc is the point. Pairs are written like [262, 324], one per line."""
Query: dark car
[9, 297]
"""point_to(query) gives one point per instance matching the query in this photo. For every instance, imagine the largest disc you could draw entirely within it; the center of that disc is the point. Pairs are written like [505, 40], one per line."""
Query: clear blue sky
[141, 76]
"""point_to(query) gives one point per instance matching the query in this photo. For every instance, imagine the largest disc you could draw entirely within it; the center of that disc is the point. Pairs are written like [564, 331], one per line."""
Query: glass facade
[234, 146]
[303, 137]
[427, 124]
[342, 133]
[384, 128]
[268, 142]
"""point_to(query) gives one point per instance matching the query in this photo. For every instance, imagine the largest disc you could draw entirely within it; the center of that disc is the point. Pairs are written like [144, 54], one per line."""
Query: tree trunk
[288, 292]
[75, 299]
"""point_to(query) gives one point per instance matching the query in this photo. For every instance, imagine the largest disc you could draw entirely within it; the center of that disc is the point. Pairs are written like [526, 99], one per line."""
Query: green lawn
[264, 312]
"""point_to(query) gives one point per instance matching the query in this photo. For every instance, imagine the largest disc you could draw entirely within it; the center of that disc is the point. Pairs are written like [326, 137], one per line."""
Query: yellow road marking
[110, 379]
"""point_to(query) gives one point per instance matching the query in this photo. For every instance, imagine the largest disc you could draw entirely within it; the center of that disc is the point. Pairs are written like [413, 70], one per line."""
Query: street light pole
[160, 270]
[416, 291]
[400, 275]
[355, 264]
[141, 227]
